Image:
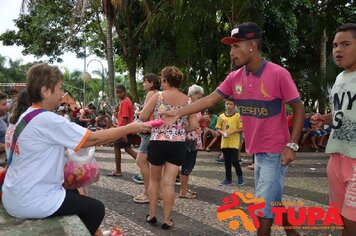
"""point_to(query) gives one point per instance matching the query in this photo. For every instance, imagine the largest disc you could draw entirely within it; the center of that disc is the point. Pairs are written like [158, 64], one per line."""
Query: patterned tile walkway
[306, 184]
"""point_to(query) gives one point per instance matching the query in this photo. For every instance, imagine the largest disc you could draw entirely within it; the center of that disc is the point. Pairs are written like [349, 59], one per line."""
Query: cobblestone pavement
[305, 183]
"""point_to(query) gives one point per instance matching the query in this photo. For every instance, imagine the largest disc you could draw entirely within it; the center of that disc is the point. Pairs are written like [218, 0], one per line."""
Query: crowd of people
[255, 105]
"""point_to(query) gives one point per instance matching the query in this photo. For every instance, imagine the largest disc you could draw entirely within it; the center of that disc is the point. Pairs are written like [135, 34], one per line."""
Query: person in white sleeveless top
[166, 150]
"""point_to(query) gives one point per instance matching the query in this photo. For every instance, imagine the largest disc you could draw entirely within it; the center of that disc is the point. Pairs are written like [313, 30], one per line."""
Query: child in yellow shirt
[229, 125]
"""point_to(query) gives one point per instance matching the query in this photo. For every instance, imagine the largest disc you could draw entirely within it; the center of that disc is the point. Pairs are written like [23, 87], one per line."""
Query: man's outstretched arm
[171, 116]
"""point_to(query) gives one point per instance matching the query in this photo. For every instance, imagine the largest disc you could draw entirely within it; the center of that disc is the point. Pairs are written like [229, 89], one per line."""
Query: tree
[73, 84]
[317, 22]
[44, 31]
[14, 72]
[50, 28]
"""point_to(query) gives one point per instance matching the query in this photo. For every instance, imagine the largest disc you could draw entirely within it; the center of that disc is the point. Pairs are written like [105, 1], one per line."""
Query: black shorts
[121, 144]
[160, 152]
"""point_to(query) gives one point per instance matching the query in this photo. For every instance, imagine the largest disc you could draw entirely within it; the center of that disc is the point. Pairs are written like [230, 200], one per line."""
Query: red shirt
[290, 119]
[126, 110]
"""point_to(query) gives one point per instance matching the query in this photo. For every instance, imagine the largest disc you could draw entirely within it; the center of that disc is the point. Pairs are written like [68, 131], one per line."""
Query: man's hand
[287, 156]
[169, 117]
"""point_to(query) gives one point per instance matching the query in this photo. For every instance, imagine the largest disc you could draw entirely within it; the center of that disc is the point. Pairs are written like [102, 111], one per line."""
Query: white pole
[85, 70]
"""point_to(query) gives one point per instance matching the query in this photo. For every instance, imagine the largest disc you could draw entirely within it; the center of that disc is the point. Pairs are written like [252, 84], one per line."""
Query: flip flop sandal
[141, 198]
[192, 192]
[113, 174]
[188, 195]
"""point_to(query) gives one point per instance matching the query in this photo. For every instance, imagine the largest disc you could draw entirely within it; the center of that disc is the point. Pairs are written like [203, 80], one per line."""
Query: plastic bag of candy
[81, 168]
[2, 179]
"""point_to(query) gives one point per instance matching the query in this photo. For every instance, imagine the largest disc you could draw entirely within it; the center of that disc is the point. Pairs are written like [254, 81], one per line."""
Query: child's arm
[97, 123]
[233, 131]
[220, 132]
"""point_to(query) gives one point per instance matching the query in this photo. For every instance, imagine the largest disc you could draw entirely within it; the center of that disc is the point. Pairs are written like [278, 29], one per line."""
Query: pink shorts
[341, 172]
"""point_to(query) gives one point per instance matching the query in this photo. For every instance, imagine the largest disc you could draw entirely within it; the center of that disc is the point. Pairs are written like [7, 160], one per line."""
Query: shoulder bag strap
[19, 127]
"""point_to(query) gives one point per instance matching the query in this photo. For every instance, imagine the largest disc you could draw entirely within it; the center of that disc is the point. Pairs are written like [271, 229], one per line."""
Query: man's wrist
[293, 146]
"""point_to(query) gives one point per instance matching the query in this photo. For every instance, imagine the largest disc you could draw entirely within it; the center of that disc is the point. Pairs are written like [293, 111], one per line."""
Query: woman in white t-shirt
[33, 184]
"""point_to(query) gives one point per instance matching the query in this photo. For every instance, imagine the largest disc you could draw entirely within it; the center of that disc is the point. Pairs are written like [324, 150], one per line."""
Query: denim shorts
[145, 140]
[190, 158]
[269, 180]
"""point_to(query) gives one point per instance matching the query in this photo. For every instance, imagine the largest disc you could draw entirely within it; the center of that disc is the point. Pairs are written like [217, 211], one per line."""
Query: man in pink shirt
[125, 116]
[260, 90]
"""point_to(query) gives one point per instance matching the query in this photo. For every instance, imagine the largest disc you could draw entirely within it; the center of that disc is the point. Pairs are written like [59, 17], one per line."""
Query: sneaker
[225, 182]
[177, 181]
[138, 178]
[240, 181]
[219, 160]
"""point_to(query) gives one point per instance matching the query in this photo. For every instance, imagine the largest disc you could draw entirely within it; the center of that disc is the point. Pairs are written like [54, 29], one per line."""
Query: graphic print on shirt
[258, 108]
[263, 90]
[344, 126]
[238, 88]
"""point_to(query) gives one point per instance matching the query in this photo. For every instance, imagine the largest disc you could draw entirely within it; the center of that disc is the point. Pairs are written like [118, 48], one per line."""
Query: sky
[10, 10]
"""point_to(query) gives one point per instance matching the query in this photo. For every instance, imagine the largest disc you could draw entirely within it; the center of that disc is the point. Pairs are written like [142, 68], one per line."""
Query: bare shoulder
[150, 93]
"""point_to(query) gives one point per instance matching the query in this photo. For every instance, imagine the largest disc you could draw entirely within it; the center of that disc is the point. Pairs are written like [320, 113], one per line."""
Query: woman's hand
[169, 117]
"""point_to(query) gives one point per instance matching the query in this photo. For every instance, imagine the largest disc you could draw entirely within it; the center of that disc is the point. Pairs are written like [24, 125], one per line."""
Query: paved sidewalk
[305, 183]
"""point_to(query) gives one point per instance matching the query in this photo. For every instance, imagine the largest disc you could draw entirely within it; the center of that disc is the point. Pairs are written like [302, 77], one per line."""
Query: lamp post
[85, 78]
[102, 74]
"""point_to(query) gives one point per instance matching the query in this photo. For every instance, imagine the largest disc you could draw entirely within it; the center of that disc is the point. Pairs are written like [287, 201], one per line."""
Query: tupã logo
[230, 211]
[298, 215]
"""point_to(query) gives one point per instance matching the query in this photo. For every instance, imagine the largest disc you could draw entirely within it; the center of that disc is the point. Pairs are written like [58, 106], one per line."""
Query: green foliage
[48, 29]
[44, 31]
[74, 85]
[152, 34]
[314, 88]
[14, 71]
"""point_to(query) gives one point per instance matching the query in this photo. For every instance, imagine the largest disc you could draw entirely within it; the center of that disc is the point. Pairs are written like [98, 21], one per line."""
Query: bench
[306, 146]
[63, 225]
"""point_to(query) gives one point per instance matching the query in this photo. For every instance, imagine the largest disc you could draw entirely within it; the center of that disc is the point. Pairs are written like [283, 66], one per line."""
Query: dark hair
[20, 107]
[230, 99]
[13, 90]
[258, 42]
[121, 87]
[101, 112]
[347, 27]
[3, 96]
[42, 75]
[91, 107]
[172, 75]
[154, 79]
[209, 111]
[92, 121]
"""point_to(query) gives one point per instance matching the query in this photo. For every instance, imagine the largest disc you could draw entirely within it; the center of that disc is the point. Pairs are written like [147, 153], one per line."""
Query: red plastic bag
[81, 168]
[2, 179]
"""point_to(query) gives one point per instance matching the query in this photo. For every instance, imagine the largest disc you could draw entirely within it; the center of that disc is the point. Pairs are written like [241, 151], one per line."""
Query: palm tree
[112, 9]
[316, 85]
